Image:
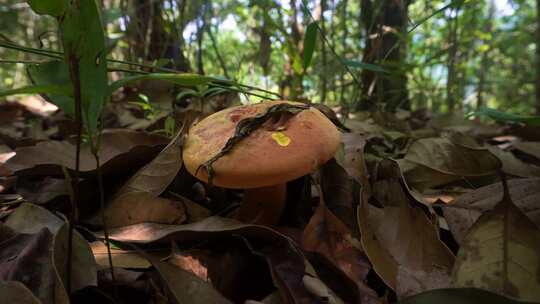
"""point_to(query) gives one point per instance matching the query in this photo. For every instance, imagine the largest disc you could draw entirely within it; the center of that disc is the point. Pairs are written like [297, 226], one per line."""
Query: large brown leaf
[118, 149]
[327, 235]
[137, 201]
[16, 292]
[531, 148]
[501, 253]
[184, 286]
[512, 165]
[443, 155]
[400, 240]
[31, 218]
[285, 260]
[466, 209]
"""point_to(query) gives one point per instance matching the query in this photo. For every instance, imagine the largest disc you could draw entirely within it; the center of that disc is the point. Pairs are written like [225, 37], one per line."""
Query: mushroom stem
[263, 206]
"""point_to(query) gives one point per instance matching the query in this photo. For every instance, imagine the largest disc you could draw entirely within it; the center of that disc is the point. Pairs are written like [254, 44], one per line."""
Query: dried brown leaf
[31, 219]
[16, 292]
[118, 148]
[501, 253]
[442, 155]
[327, 235]
[121, 258]
[285, 260]
[186, 287]
[400, 240]
[132, 203]
[466, 209]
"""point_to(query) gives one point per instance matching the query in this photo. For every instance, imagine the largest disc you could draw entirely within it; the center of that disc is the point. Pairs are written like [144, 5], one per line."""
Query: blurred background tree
[441, 55]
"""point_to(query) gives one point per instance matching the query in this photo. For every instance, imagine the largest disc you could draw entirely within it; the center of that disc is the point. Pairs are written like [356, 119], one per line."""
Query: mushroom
[282, 149]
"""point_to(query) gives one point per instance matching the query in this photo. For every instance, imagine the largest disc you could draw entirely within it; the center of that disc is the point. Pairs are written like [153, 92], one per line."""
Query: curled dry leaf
[285, 260]
[400, 240]
[28, 258]
[466, 209]
[184, 286]
[531, 148]
[442, 155]
[352, 159]
[458, 295]
[138, 207]
[121, 258]
[327, 235]
[31, 219]
[118, 149]
[512, 165]
[337, 190]
[137, 201]
[16, 292]
[501, 253]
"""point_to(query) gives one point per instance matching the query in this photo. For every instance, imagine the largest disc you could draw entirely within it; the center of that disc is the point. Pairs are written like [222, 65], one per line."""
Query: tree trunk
[291, 87]
[384, 47]
[319, 16]
[484, 63]
[149, 39]
[538, 57]
[451, 79]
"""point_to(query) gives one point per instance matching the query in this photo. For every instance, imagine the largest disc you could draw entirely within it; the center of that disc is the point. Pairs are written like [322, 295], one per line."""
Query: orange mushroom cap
[269, 155]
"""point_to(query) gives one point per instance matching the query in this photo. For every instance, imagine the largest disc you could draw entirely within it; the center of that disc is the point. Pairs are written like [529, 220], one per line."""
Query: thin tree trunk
[538, 57]
[323, 76]
[344, 34]
[452, 60]
[384, 26]
[484, 63]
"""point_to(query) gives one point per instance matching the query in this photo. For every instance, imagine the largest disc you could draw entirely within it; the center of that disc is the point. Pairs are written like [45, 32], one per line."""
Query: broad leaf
[442, 155]
[458, 295]
[53, 8]
[501, 253]
[506, 117]
[365, 66]
[310, 40]
[83, 40]
[39, 89]
[462, 212]
[54, 73]
[400, 239]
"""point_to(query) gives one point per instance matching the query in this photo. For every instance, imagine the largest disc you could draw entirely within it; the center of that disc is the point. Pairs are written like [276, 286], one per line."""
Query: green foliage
[506, 117]
[54, 73]
[310, 39]
[39, 89]
[366, 66]
[83, 40]
[55, 8]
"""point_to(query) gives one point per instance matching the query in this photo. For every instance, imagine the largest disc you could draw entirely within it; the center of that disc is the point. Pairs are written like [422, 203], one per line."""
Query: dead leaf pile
[411, 210]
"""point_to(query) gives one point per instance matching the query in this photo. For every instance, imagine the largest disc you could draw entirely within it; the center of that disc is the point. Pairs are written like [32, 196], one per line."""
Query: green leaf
[365, 66]
[53, 73]
[186, 93]
[310, 39]
[506, 117]
[185, 79]
[83, 40]
[55, 8]
[39, 89]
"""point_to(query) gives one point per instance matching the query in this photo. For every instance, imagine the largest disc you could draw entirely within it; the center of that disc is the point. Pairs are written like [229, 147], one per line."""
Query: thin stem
[103, 219]
[74, 74]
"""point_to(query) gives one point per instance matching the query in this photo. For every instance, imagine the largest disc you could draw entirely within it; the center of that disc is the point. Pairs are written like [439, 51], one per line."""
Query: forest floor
[412, 208]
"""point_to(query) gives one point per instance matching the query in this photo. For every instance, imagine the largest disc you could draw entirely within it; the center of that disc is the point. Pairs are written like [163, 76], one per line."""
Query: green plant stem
[74, 74]
[103, 219]
[20, 61]
[58, 55]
